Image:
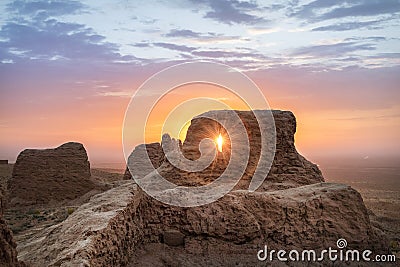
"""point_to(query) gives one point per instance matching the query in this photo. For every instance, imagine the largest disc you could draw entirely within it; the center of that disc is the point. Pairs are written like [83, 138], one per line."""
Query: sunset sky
[69, 68]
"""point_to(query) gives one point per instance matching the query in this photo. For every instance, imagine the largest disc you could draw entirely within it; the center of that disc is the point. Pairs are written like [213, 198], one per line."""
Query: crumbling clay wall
[41, 176]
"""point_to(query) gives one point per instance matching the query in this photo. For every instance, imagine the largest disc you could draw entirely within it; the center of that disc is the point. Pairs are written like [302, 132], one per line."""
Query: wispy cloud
[230, 12]
[45, 8]
[328, 50]
[382, 117]
[181, 48]
[201, 38]
[325, 10]
[115, 94]
[260, 30]
[347, 26]
[363, 8]
[7, 61]
[229, 54]
[183, 33]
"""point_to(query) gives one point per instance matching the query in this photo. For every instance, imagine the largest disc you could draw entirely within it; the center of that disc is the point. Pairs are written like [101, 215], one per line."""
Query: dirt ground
[382, 198]
[26, 221]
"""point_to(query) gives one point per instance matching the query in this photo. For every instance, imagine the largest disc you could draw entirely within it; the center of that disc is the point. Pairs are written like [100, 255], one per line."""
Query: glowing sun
[219, 142]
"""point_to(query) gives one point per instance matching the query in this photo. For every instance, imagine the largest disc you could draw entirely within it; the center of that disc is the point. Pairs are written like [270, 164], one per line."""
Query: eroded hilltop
[293, 209]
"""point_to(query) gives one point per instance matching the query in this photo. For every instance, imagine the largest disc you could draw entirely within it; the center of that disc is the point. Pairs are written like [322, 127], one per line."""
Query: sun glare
[220, 141]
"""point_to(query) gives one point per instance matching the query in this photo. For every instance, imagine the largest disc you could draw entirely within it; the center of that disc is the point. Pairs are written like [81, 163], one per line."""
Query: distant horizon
[118, 158]
[390, 160]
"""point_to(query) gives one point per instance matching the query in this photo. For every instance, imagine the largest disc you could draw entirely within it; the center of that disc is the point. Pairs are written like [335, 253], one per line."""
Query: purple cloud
[230, 12]
[330, 50]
